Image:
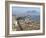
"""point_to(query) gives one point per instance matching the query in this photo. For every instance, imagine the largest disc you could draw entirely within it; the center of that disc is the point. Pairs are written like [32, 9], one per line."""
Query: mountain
[33, 12]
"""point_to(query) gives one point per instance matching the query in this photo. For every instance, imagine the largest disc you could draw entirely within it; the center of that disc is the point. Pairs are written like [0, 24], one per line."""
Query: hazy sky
[20, 11]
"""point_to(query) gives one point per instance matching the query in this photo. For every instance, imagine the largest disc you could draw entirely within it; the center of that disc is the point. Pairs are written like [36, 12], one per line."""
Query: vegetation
[26, 23]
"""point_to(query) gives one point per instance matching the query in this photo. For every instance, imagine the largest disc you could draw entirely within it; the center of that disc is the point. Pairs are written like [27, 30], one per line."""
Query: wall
[2, 19]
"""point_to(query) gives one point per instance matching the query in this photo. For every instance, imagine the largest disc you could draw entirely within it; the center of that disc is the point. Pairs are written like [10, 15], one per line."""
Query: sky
[21, 11]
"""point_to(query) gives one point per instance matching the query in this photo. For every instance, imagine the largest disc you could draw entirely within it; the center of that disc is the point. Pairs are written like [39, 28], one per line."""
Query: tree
[19, 18]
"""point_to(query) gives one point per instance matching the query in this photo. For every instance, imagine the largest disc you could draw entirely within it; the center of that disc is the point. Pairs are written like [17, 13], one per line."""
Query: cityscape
[25, 18]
